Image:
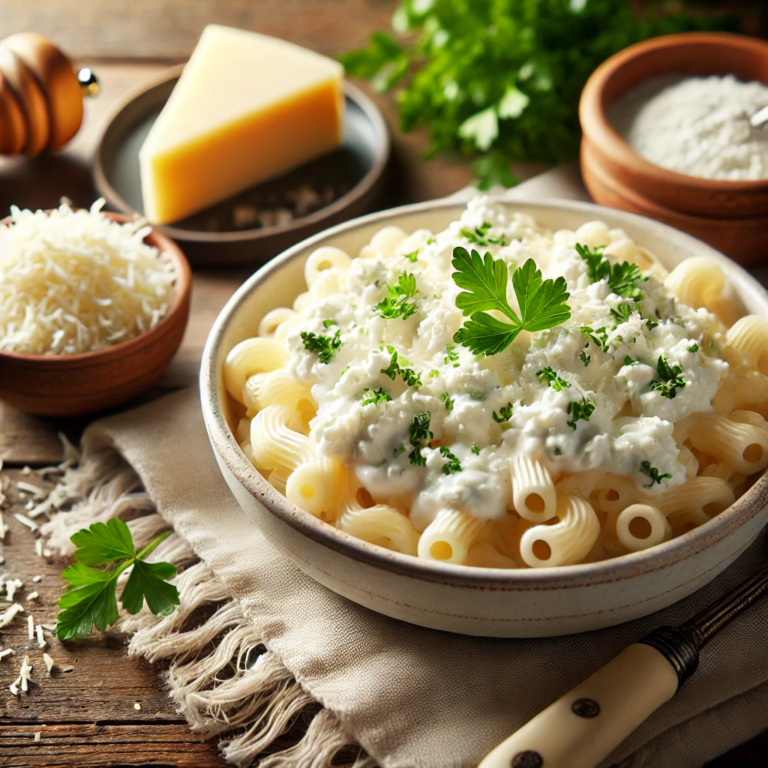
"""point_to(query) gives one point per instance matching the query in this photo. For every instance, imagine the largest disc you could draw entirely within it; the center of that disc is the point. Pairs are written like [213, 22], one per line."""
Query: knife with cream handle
[584, 726]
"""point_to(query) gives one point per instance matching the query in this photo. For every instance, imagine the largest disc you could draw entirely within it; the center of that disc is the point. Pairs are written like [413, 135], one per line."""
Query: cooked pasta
[387, 402]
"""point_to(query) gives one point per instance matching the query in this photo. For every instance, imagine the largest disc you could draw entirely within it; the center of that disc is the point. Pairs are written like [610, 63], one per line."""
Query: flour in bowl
[698, 126]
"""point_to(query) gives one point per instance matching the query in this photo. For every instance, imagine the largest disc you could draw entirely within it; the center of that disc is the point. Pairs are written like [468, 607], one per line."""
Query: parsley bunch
[502, 78]
[92, 595]
[542, 302]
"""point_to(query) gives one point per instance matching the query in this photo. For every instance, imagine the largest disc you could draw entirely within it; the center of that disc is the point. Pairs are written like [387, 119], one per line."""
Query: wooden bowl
[72, 385]
[358, 167]
[732, 216]
[537, 602]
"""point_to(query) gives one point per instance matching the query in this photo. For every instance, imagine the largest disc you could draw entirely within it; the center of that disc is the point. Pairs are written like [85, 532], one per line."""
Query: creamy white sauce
[617, 439]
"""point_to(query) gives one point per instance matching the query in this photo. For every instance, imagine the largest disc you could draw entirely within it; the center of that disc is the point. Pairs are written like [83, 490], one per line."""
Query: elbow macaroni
[550, 517]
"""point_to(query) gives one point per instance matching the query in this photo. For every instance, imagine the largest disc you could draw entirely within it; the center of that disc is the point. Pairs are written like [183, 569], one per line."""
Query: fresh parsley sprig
[669, 379]
[653, 473]
[325, 347]
[376, 396]
[579, 410]
[484, 283]
[479, 235]
[453, 464]
[504, 414]
[397, 301]
[408, 375]
[419, 435]
[92, 595]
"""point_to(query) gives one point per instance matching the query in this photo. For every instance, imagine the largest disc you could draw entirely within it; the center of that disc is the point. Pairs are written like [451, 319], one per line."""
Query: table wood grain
[86, 715]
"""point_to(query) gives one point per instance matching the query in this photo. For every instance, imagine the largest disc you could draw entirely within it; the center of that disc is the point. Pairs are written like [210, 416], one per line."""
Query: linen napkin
[419, 698]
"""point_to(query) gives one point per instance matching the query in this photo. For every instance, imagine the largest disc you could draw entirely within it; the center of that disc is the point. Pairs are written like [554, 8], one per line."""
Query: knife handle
[585, 725]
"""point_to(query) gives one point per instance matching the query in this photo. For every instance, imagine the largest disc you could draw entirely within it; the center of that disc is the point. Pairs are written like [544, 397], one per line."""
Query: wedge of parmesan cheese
[75, 281]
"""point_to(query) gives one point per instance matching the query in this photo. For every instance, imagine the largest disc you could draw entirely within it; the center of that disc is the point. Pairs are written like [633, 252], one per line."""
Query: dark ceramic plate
[259, 223]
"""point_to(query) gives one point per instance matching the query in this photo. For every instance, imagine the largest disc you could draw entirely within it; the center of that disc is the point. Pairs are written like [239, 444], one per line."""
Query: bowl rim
[182, 290]
[598, 130]
[358, 191]
[633, 564]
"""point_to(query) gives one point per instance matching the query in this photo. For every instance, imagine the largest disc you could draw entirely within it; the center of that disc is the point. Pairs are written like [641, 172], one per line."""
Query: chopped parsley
[479, 235]
[344, 370]
[408, 375]
[325, 347]
[558, 383]
[542, 302]
[399, 450]
[431, 240]
[396, 303]
[580, 410]
[557, 451]
[329, 323]
[419, 434]
[693, 348]
[475, 449]
[598, 337]
[669, 379]
[451, 356]
[476, 394]
[622, 312]
[622, 278]
[376, 396]
[412, 256]
[448, 401]
[585, 358]
[453, 464]
[504, 414]
[653, 473]
[629, 361]
[434, 373]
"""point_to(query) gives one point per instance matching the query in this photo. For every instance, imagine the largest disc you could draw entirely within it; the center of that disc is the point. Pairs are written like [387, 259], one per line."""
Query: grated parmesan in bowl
[74, 281]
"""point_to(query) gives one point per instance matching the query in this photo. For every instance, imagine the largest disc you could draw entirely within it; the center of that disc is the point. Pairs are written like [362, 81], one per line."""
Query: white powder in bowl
[698, 126]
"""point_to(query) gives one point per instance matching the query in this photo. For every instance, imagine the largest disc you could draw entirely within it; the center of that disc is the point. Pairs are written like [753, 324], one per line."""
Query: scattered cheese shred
[49, 662]
[75, 281]
[6, 617]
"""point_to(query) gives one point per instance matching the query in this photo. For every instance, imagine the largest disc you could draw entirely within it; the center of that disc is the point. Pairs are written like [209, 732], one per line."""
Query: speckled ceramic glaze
[476, 601]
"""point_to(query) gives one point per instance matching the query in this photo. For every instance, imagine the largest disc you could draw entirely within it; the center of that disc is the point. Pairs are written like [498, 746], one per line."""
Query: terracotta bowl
[475, 601]
[72, 385]
[730, 215]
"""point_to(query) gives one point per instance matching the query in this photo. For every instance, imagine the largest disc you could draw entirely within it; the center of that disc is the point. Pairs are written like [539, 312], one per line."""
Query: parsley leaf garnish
[92, 595]
[622, 278]
[325, 347]
[504, 414]
[479, 235]
[585, 358]
[451, 356]
[418, 435]
[653, 473]
[376, 396]
[558, 383]
[598, 337]
[412, 256]
[693, 348]
[542, 302]
[475, 449]
[629, 361]
[448, 400]
[453, 464]
[399, 450]
[580, 410]
[669, 379]
[408, 375]
[621, 313]
[396, 303]
[329, 323]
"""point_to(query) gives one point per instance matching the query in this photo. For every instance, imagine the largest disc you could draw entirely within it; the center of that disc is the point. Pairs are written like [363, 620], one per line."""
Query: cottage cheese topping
[698, 126]
[469, 398]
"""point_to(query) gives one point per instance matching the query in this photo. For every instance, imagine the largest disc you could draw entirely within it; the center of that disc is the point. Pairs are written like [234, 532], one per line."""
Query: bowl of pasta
[504, 419]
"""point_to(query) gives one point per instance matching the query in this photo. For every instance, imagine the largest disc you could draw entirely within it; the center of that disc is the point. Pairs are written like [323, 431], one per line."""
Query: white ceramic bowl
[476, 601]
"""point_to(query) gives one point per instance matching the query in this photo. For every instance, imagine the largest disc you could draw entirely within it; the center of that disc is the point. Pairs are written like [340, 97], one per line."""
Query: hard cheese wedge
[247, 108]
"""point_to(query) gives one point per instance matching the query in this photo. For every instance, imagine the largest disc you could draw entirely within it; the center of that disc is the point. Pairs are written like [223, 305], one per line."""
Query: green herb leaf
[693, 348]
[542, 302]
[325, 347]
[408, 375]
[451, 356]
[669, 379]
[475, 449]
[419, 435]
[504, 414]
[558, 383]
[629, 361]
[585, 358]
[621, 313]
[92, 597]
[448, 401]
[453, 464]
[376, 396]
[598, 337]
[479, 235]
[653, 473]
[396, 304]
[412, 256]
[580, 410]
[329, 323]
[622, 278]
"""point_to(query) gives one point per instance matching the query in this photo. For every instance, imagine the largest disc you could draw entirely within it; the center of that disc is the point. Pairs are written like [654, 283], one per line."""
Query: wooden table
[86, 714]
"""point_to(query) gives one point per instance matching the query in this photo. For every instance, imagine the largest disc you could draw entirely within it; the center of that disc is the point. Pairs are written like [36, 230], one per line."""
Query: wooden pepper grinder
[41, 95]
